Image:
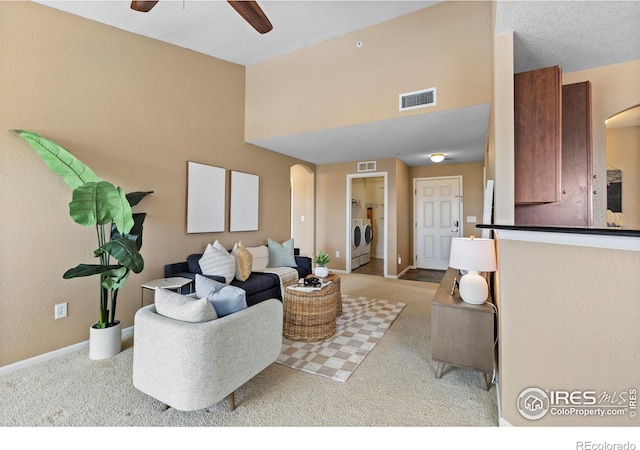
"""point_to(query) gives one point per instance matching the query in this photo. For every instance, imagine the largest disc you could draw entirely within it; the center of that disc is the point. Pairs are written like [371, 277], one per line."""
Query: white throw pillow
[181, 307]
[260, 257]
[217, 261]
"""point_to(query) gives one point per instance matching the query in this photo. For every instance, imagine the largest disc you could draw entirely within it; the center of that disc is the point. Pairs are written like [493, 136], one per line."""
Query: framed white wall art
[206, 198]
[245, 192]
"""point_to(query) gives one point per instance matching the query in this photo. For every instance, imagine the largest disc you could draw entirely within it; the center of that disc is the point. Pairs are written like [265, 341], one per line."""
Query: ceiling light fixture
[437, 157]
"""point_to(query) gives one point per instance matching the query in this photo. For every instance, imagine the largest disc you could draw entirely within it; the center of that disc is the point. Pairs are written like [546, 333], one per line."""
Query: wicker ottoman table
[309, 316]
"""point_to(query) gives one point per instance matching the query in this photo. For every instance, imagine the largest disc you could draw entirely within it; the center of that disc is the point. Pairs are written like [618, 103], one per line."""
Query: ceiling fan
[249, 10]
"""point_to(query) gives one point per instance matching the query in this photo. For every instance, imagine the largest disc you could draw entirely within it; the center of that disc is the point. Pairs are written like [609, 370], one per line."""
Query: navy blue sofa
[259, 286]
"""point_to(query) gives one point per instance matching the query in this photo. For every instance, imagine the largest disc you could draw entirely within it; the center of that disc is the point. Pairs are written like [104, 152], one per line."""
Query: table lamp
[473, 255]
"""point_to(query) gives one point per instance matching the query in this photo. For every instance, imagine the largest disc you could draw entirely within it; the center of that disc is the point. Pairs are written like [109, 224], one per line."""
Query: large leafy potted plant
[119, 232]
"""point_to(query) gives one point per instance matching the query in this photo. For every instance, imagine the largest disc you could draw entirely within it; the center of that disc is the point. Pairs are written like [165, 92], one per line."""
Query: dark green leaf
[135, 197]
[115, 279]
[136, 231]
[125, 251]
[86, 270]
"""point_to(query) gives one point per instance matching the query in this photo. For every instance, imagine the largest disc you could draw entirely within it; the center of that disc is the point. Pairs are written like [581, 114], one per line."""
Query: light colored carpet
[395, 386]
[363, 323]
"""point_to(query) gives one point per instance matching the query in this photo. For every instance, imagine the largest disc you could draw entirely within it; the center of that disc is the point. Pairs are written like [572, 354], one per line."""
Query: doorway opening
[303, 207]
[367, 223]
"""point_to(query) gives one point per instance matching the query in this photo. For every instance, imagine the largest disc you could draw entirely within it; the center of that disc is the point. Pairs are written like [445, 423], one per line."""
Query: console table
[462, 334]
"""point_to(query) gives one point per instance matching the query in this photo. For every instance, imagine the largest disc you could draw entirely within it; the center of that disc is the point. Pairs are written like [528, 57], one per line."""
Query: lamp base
[473, 288]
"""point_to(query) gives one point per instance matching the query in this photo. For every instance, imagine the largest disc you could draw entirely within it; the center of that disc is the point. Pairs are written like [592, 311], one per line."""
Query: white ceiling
[576, 35]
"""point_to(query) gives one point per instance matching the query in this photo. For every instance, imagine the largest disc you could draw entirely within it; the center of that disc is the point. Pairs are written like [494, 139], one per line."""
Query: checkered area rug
[363, 323]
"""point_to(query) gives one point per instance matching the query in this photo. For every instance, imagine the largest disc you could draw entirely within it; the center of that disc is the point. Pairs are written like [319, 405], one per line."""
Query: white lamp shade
[436, 157]
[473, 254]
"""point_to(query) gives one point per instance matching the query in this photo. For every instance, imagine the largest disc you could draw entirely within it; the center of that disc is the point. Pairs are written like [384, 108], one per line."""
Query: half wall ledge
[584, 237]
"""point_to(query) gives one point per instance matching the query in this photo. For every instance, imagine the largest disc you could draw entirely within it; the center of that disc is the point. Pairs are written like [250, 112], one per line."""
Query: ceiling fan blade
[143, 6]
[252, 13]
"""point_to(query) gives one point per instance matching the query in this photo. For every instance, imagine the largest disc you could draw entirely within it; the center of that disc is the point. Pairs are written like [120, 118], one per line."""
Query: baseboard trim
[408, 268]
[503, 423]
[126, 333]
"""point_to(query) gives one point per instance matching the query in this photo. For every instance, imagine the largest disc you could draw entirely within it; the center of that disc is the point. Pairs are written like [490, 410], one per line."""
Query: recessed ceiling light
[437, 157]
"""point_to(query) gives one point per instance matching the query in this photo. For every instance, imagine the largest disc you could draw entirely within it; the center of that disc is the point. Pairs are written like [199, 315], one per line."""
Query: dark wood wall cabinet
[553, 150]
[538, 136]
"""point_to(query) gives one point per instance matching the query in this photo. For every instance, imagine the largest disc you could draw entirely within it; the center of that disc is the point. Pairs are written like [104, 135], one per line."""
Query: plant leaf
[100, 203]
[73, 171]
[135, 234]
[135, 197]
[125, 251]
[86, 270]
[124, 219]
[115, 279]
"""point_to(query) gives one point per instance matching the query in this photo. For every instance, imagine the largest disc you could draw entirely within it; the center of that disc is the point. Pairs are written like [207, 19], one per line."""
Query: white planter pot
[321, 271]
[105, 342]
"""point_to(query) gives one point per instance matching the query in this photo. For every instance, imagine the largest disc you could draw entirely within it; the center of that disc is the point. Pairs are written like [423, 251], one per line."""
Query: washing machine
[367, 237]
[356, 242]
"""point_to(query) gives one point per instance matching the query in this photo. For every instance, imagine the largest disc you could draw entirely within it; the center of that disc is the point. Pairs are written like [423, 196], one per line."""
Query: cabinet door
[462, 337]
[538, 135]
[575, 206]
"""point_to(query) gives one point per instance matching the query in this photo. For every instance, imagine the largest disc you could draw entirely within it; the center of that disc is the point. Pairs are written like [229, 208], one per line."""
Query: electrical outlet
[399, 259]
[337, 253]
[61, 310]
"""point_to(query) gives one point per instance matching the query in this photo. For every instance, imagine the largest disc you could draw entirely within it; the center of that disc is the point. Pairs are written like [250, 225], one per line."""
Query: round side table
[309, 316]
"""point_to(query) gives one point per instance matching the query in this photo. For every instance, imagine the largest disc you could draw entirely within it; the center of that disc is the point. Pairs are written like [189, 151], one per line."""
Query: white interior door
[437, 213]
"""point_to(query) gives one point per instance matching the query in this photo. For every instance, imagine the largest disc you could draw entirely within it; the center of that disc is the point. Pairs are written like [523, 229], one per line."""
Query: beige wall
[335, 84]
[500, 156]
[614, 89]
[623, 152]
[569, 319]
[404, 218]
[332, 233]
[135, 110]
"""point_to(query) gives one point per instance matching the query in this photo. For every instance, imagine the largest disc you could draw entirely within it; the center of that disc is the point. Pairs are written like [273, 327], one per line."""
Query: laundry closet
[367, 220]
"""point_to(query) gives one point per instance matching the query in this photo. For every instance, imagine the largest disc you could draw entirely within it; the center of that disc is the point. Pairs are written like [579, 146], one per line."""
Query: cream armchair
[190, 366]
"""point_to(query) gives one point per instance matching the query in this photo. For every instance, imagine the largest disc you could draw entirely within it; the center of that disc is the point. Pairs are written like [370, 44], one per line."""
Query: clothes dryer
[367, 237]
[356, 242]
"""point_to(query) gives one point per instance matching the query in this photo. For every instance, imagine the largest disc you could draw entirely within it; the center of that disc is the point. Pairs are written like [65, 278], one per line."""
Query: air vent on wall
[367, 166]
[417, 99]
